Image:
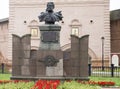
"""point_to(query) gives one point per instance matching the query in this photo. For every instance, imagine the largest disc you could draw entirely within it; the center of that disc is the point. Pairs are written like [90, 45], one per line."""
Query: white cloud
[4, 8]
[114, 4]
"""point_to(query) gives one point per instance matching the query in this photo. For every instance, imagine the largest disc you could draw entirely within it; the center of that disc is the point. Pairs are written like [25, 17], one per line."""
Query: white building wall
[3, 39]
[82, 10]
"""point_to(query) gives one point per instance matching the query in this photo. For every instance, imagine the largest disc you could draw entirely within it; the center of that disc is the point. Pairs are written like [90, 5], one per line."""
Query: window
[76, 27]
[34, 32]
[75, 31]
[34, 29]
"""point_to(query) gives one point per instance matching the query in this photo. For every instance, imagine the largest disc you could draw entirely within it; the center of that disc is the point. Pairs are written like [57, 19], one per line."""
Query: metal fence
[4, 69]
[106, 71]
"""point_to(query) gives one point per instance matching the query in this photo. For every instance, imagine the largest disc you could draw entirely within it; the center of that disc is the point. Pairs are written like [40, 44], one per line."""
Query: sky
[4, 7]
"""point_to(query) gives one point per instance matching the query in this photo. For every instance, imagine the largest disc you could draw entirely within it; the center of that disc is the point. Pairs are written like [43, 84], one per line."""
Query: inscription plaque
[49, 37]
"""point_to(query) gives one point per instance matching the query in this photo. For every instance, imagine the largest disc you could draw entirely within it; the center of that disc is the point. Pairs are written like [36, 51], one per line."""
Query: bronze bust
[50, 17]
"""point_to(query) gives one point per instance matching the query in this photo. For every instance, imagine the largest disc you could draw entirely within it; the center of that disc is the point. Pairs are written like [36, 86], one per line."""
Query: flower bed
[54, 84]
[104, 83]
[99, 83]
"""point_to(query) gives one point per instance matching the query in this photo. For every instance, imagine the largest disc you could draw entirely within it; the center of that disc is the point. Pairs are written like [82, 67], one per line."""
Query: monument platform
[48, 78]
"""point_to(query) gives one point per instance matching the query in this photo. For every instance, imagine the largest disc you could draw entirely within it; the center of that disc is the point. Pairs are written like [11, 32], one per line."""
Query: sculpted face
[50, 6]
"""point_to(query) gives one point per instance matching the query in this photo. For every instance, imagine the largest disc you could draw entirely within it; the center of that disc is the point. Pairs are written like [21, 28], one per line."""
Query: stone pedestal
[49, 56]
[50, 37]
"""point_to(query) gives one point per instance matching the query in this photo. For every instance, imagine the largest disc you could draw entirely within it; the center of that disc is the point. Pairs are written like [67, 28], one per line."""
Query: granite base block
[48, 78]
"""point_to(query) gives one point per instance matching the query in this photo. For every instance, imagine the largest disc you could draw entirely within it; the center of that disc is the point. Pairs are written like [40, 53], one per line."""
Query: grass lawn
[5, 76]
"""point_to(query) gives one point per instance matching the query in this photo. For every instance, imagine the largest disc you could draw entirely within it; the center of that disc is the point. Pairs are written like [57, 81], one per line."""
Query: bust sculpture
[50, 17]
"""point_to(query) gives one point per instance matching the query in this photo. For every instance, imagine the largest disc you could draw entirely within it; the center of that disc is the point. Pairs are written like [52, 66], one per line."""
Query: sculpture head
[50, 6]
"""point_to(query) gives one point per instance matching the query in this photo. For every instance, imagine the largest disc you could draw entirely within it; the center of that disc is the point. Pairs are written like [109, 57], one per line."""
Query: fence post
[112, 70]
[2, 68]
[89, 69]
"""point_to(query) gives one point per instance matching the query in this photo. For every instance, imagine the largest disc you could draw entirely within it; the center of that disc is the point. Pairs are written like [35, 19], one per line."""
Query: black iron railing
[109, 71]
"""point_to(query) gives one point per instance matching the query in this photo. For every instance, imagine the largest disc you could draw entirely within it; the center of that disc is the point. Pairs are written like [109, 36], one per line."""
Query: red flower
[44, 84]
[105, 83]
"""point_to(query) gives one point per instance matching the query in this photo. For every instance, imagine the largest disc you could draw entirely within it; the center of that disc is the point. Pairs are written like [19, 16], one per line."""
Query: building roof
[115, 15]
[4, 20]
